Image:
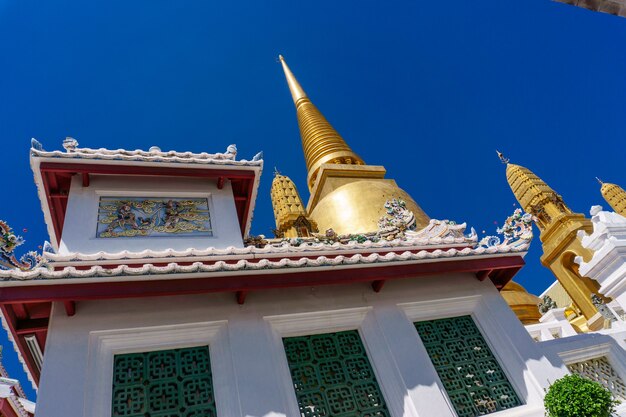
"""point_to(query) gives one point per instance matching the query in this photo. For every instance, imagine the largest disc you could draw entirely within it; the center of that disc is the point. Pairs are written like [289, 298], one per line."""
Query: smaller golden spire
[615, 196]
[534, 195]
[289, 212]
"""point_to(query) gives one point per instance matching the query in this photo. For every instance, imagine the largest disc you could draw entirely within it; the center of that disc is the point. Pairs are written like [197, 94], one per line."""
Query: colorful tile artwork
[154, 216]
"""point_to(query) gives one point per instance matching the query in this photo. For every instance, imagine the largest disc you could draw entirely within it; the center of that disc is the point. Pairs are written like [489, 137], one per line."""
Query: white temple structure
[152, 299]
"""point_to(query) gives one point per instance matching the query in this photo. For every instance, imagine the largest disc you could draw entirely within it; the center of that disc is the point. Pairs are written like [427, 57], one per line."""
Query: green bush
[575, 396]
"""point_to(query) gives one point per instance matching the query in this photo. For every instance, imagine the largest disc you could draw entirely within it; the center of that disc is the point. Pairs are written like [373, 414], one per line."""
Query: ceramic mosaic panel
[166, 383]
[332, 376]
[140, 216]
[471, 375]
[600, 370]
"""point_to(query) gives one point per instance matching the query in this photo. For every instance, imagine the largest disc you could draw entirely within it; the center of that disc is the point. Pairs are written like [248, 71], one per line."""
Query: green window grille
[471, 375]
[165, 383]
[332, 376]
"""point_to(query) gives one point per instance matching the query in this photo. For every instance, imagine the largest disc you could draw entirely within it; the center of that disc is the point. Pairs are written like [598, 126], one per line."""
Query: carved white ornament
[601, 371]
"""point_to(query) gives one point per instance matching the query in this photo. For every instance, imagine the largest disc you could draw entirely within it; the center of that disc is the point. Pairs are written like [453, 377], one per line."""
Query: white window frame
[360, 319]
[104, 345]
[495, 336]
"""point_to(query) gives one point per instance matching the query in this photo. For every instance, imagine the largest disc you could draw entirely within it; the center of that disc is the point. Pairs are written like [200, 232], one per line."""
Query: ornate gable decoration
[8, 242]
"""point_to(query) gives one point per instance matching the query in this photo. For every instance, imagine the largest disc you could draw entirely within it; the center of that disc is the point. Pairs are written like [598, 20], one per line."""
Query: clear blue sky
[427, 89]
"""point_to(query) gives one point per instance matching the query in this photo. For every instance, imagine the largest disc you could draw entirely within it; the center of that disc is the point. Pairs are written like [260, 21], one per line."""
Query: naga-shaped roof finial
[503, 159]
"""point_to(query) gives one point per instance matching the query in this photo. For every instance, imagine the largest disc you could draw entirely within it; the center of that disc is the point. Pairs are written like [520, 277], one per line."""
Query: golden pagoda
[524, 305]
[558, 227]
[615, 196]
[289, 212]
[347, 195]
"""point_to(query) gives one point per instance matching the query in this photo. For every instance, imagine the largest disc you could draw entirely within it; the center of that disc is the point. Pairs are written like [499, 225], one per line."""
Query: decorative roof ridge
[283, 247]
[257, 264]
[154, 154]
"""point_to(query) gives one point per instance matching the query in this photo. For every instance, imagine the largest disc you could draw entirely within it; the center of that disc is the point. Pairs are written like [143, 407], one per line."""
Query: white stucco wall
[250, 371]
[79, 234]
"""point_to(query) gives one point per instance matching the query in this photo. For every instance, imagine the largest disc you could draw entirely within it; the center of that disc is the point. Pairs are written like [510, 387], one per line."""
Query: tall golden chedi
[559, 228]
[347, 195]
[615, 196]
[291, 216]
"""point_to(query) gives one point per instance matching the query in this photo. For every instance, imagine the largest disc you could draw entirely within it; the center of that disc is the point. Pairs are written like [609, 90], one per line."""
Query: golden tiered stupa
[289, 212]
[347, 195]
[559, 227]
[615, 196]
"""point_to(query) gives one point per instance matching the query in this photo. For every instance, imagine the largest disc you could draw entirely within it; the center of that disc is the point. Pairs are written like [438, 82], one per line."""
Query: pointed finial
[276, 171]
[599, 181]
[502, 158]
[36, 145]
[294, 86]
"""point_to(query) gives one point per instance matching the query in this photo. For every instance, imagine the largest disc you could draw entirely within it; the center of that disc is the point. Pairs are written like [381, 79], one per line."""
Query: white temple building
[152, 299]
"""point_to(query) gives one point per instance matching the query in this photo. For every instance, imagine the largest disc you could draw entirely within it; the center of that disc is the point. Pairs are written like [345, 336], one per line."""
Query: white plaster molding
[104, 345]
[608, 264]
[330, 321]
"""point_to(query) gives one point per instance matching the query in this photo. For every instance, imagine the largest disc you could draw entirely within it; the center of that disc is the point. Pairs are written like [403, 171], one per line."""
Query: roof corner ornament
[8, 242]
[70, 144]
[503, 159]
[517, 232]
[35, 144]
[258, 156]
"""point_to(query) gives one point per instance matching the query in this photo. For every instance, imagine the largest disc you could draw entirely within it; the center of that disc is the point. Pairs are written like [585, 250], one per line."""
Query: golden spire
[615, 196]
[534, 195]
[289, 212]
[320, 141]
[559, 236]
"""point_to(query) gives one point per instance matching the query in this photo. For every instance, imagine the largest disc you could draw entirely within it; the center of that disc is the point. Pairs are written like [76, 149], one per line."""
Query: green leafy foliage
[575, 396]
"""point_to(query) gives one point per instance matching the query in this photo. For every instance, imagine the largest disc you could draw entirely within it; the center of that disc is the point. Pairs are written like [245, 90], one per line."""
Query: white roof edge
[255, 189]
[149, 272]
[34, 164]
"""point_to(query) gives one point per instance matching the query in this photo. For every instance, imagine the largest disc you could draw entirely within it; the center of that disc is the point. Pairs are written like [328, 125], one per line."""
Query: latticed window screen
[165, 383]
[600, 370]
[471, 375]
[332, 376]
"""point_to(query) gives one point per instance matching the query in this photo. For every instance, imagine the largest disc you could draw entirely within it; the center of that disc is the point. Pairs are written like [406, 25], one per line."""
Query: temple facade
[153, 299]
